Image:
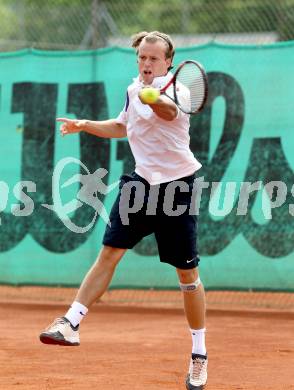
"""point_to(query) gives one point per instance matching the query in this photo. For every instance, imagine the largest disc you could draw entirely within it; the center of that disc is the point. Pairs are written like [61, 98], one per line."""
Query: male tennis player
[159, 139]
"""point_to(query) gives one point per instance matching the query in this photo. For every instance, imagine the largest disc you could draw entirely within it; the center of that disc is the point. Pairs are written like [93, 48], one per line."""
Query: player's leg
[99, 276]
[64, 330]
[194, 297]
[194, 304]
[176, 238]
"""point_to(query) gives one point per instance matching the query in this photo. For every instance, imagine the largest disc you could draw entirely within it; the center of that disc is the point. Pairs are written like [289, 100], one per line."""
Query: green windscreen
[244, 139]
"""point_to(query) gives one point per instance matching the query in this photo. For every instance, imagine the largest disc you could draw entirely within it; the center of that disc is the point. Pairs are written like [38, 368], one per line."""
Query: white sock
[198, 340]
[76, 313]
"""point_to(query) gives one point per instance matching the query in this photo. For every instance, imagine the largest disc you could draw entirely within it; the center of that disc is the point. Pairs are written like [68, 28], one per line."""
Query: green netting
[243, 135]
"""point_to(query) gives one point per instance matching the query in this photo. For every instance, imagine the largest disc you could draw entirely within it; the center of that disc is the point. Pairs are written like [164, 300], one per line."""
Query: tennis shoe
[61, 332]
[197, 375]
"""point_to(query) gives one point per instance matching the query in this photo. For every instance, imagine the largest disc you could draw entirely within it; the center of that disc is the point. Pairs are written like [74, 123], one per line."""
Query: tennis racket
[188, 88]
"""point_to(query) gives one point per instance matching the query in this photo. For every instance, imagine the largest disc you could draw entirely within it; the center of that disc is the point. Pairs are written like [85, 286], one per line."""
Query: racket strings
[192, 96]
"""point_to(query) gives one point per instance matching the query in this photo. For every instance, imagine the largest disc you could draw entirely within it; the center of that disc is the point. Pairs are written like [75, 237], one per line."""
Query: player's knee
[189, 280]
[187, 275]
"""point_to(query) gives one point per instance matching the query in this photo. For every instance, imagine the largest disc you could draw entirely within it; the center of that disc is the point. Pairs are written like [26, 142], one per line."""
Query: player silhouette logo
[91, 186]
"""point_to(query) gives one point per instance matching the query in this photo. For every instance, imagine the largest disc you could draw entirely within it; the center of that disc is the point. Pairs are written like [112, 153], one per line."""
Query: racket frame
[174, 79]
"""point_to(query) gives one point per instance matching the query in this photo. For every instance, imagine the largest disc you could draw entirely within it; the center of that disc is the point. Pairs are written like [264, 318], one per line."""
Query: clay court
[131, 347]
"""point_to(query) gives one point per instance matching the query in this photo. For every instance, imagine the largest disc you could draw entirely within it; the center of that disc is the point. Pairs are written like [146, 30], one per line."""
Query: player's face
[152, 61]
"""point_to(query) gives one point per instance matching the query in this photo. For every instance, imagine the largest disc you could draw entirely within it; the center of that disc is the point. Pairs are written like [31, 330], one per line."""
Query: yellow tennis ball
[149, 95]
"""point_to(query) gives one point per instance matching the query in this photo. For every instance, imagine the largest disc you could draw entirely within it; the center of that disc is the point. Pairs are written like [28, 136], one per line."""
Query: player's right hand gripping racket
[188, 88]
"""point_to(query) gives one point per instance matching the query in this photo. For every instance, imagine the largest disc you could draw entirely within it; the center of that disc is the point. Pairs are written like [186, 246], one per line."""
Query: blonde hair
[153, 37]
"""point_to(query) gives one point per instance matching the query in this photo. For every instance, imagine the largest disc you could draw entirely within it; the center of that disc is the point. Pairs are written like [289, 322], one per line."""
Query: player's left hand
[70, 126]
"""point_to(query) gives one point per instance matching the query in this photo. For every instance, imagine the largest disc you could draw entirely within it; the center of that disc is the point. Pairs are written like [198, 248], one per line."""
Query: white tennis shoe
[61, 332]
[197, 376]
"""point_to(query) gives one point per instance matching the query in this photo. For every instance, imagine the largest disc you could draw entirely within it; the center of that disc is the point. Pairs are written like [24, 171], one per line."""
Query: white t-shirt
[160, 148]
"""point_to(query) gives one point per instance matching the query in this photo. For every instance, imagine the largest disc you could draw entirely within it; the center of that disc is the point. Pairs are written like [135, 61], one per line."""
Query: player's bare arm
[164, 108]
[105, 129]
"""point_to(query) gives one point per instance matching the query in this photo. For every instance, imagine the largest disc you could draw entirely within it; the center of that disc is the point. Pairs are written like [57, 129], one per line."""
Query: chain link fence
[89, 24]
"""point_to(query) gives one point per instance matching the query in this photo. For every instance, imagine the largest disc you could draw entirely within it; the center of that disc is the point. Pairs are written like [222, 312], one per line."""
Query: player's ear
[168, 62]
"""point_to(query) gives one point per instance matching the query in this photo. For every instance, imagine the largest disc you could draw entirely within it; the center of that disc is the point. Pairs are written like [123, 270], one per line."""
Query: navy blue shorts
[175, 234]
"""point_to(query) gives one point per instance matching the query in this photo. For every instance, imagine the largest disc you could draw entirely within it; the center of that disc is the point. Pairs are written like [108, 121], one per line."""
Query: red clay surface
[144, 349]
